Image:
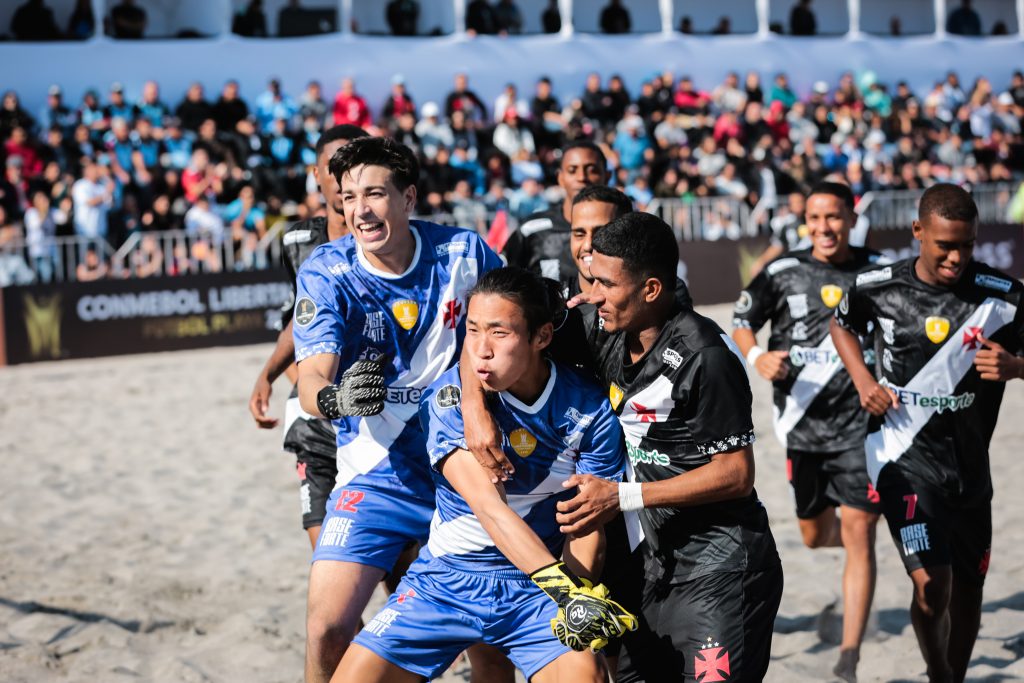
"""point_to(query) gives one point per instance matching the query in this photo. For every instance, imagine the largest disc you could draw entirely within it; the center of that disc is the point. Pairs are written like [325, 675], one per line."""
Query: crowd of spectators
[226, 168]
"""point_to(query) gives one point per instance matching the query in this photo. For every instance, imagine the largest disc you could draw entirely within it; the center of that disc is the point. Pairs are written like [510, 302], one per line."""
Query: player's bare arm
[874, 398]
[727, 476]
[315, 373]
[482, 434]
[995, 363]
[771, 365]
[281, 357]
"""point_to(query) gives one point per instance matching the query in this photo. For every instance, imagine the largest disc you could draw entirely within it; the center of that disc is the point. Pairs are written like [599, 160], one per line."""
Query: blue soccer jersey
[413, 322]
[569, 429]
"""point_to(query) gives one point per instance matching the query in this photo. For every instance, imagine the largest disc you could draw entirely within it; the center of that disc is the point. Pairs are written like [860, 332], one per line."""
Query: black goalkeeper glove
[587, 617]
[360, 393]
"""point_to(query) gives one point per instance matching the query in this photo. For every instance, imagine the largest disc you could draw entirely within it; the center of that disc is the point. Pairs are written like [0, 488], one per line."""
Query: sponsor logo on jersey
[406, 312]
[448, 396]
[522, 442]
[781, 265]
[639, 456]
[939, 403]
[888, 326]
[874, 276]
[797, 304]
[887, 359]
[671, 358]
[971, 338]
[811, 355]
[452, 311]
[744, 303]
[335, 532]
[404, 394]
[799, 332]
[831, 295]
[339, 268]
[535, 225]
[305, 311]
[993, 282]
[578, 418]
[711, 664]
[296, 236]
[914, 538]
[447, 248]
[373, 328]
[382, 622]
[936, 328]
[615, 395]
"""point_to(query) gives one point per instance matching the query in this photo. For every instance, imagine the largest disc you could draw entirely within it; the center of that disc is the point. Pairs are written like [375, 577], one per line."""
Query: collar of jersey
[392, 276]
[541, 400]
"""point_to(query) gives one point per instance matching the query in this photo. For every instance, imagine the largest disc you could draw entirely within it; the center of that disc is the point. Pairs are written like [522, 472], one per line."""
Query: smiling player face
[829, 222]
[587, 219]
[946, 248]
[376, 211]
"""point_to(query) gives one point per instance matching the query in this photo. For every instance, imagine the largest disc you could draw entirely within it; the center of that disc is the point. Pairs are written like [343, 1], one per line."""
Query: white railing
[705, 218]
[895, 209]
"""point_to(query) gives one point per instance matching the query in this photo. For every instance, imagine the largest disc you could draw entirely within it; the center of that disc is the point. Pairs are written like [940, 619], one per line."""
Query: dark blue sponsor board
[113, 317]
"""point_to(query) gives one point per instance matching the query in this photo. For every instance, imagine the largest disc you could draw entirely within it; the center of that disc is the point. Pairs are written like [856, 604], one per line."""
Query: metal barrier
[706, 218]
[897, 209]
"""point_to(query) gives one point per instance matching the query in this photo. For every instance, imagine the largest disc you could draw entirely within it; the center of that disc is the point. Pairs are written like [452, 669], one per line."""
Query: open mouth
[371, 230]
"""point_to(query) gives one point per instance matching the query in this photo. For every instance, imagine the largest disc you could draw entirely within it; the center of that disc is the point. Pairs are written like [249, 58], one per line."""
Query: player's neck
[567, 211]
[336, 226]
[398, 256]
[644, 334]
[531, 383]
[841, 256]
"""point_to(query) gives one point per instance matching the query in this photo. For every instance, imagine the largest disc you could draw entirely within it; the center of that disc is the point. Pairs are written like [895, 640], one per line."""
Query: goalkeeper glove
[360, 392]
[586, 616]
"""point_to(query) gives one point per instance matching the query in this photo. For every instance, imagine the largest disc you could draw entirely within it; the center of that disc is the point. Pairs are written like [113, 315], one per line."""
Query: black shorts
[317, 474]
[823, 480]
[714, 628]
[933, 529]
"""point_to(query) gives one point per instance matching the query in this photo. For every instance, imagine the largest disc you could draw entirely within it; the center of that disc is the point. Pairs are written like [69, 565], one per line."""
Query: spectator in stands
[551, 18]
[200, 179]
[402, 16]
[202, 221]
[615, 18]
[82, 22]
[508, 99]
[56, 113]
[119, 108]
[964, 21]
[480, 18]
[508, 18]
[398, 103]
[618, 98]
[802, 21]
[467, 211]
[596, 102]
[686, 26]
[14, 190]
[312, 104]
[92, 266]
[727, 97]
[527, 200]
[465, 100]
[631, 144]
[194, 108]
[18, 146]
[160, 217]
[41, 221]
[723, 27]
[273, 104]
[350, 107]
[752, 86]
[688, 100]
[513, 135]
[93, 196]
[150, 106]
[127, 21]
[251, 21]
[290, 19]
[229, 108]
[12, 115]
[781, 92]
[432, 131]
[34, 21]
[546, 115]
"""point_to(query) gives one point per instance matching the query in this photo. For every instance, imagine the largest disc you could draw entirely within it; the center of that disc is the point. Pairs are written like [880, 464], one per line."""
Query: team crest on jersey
[744, 303]
[522, 442]
[448, 396]
[615, 395]
[803, 231]
[831, 295]
[305, 311]
[936, 328]
[711, 663]
[339, 268]
[406, 312]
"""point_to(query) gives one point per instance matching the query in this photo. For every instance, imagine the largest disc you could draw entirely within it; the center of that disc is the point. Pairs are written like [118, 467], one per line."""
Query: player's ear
[316, 175]
[917, 229]
[410, 197]
[652, 289]
[542, 337]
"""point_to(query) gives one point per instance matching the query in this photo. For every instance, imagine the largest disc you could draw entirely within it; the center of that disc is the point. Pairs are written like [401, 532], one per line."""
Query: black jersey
[926, 338]
[302, 431]
[816, 405]
[687, 399]
[541, 245]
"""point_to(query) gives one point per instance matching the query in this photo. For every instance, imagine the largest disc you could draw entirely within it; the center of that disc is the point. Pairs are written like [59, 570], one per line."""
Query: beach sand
[151, 533]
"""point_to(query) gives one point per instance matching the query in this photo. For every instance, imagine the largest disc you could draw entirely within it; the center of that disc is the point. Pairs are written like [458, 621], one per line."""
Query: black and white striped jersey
[816, 405]
[684, 401]
[926, 338]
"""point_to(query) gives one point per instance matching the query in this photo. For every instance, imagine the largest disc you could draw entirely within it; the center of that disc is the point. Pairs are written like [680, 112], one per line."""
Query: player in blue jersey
[378, 317]
[472, 581]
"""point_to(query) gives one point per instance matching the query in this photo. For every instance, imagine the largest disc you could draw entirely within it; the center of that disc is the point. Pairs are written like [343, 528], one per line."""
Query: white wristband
[753, 354]
[630, 496]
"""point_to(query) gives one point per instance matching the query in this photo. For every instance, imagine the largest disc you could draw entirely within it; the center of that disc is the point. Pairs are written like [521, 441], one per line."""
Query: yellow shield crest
[831, 295]
[803, 231]
[406, 312]
[937, 328]
[615, 395]
[522, 442]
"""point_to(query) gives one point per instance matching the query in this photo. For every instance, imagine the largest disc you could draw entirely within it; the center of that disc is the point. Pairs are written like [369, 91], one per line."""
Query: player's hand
[772, 365]
[259, 404]
[596, 502]
[483, 439]
[587, 617]
[995, 363]
[360, 393]
[877, 399]
[581, 298]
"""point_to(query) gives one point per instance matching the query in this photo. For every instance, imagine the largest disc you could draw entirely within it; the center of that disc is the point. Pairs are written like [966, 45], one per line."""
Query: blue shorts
[372, 526]
[438, 611]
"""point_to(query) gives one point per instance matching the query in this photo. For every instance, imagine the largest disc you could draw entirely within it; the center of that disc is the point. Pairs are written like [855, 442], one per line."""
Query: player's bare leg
[821, 531]
[929, 612]
[314, 533]
[965, 619]
[858, 535]
[338, 593]
[488, 664]
[366, 666]
[573, 667]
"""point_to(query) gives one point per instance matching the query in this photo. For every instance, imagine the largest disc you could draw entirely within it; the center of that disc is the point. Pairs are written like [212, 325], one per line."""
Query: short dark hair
[370, 151]
[644, 242]
[587, 145]
[605, 195]
[838, 190]
[538, 297]
[948, 201]
[345, 131]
